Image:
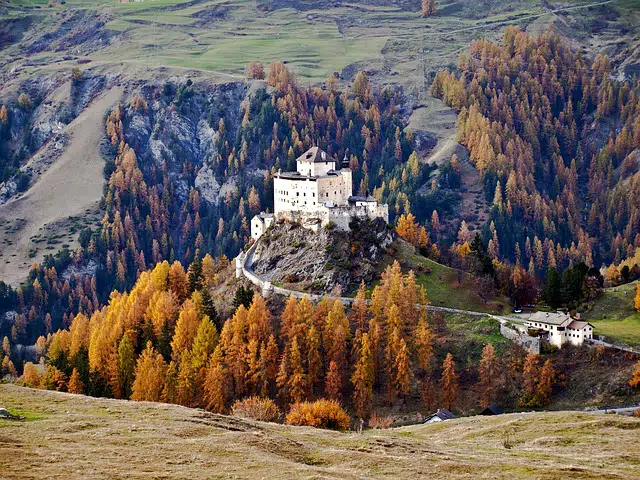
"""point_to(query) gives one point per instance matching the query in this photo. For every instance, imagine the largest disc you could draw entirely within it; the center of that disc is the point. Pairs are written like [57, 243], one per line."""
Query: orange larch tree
[488, 370]
[362, 380]
[449, 382]
[150, 374]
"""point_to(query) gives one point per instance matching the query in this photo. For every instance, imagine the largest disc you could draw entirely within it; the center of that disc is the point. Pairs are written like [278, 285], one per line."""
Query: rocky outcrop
[290, 255]
[182, 124]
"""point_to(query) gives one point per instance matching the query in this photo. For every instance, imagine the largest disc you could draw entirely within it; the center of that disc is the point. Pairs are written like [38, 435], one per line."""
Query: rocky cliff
[290, 255]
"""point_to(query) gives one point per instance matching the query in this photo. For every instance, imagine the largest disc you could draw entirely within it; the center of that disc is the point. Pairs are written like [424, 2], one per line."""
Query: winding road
[268, 289]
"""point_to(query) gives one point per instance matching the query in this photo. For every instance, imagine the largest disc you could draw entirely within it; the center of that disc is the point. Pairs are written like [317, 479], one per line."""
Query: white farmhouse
[317, 194]
[561, 328]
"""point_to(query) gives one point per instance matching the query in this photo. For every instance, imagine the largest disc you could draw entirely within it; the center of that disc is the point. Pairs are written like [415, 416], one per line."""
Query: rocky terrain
[290, 255]
[61, 145]
[67, 436]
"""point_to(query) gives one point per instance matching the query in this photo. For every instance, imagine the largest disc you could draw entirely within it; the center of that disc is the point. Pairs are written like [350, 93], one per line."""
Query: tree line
[164, 341]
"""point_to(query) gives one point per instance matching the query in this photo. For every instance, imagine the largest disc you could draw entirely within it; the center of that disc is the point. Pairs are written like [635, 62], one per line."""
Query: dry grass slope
[69, 436]
[71, 187]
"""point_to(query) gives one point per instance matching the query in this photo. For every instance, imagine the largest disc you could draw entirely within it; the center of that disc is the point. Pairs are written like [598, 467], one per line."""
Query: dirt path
[71, 187]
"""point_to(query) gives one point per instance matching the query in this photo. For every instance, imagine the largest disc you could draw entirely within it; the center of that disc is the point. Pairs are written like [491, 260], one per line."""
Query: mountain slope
[71, 187]
[70, 436]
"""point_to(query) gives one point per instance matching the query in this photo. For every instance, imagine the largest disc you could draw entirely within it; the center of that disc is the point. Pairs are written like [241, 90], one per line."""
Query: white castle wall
[340, 216]
[308, 193]
[314, 169]
[298, 194]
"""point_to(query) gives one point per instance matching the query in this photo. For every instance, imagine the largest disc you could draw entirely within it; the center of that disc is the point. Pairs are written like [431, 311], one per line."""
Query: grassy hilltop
[615, 316]
[70, 436]
[316, 38]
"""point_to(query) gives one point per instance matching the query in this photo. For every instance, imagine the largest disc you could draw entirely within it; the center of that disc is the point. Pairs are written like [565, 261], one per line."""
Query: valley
[319, 239]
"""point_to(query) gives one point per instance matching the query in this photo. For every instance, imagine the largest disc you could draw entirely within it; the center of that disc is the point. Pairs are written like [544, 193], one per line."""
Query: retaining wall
[530, 343]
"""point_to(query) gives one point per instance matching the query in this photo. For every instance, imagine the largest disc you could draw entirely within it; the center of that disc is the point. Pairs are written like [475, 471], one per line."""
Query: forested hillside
[541, 205]
[554, 137]
[188, 173]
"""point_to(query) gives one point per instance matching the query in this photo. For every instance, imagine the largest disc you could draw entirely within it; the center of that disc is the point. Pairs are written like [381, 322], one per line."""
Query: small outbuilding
[492, 409]
[440, 416]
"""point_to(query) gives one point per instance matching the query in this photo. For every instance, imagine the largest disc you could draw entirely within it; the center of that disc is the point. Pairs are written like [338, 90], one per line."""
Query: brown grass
[70, 436]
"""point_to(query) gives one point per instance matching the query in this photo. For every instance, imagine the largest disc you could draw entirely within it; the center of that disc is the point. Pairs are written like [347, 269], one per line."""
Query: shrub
[30, 375]
[380, 423]
[320, 414]
[291, 278]
[24, 101]
[54, 379]
[76, 74]
[263, 409]
[255, 70]
[22, 181]
[139, 103]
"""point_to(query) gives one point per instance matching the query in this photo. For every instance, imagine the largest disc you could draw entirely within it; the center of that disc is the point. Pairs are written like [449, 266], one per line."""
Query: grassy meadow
[615, 316]
[71, 436]
[224, 35]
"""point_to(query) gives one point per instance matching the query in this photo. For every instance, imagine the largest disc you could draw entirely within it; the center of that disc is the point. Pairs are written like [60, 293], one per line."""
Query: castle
[317, 194]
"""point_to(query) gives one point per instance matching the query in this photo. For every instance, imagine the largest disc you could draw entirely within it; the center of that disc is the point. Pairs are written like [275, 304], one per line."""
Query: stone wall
[525, 341]
[340, 216]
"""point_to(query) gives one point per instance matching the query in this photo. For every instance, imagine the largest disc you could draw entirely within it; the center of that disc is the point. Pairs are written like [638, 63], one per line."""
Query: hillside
[615, 316]
[70, 436]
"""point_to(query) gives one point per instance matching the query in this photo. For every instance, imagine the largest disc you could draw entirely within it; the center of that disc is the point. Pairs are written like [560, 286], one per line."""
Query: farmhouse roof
[578, 325]
[442, 414]
[315, 155]
[492, 409]
[557, 318]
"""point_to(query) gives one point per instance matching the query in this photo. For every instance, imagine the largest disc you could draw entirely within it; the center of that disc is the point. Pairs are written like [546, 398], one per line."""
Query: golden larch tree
[298, 380]
[402, 370]
[186, 328]
[545, 385]
[424, 342]
[216, 385]
[150, 374]
[362, 380]
[530, 377]
[75, 384]
[333, 387]
[30, 375]
[449, 382]
[488, 375]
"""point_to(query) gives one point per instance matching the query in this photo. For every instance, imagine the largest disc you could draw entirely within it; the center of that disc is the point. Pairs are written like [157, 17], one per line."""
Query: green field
[614, 315]
[224, 35]
[443, 289]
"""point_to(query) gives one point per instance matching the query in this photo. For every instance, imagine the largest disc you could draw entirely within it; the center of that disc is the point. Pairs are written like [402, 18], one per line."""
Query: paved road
[617, 410]
[259, 282]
